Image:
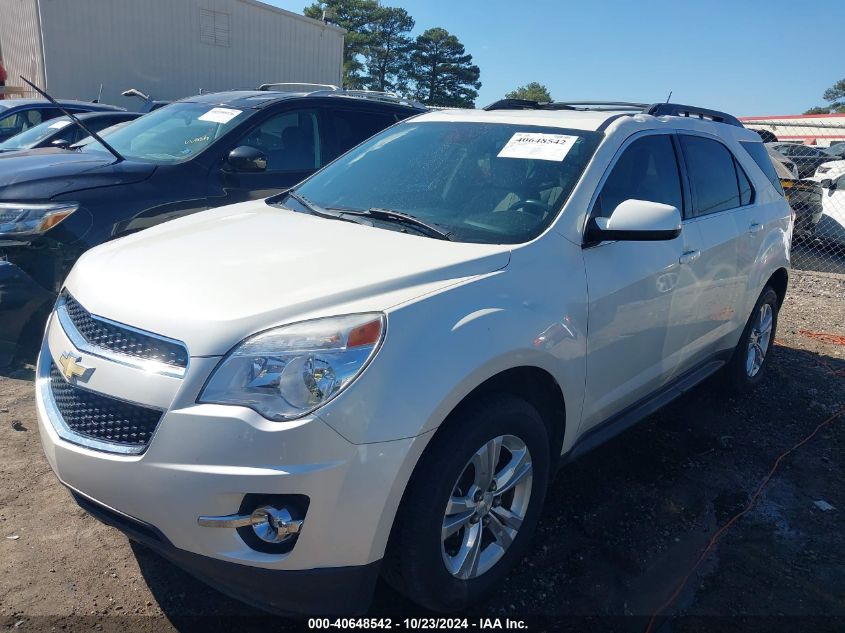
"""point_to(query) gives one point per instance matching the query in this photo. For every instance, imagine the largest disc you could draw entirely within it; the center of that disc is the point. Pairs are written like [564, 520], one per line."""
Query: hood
[41, 174]
[215, 277]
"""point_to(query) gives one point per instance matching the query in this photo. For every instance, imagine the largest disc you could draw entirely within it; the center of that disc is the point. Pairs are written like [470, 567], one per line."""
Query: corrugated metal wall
[20, 42]
[173, 48]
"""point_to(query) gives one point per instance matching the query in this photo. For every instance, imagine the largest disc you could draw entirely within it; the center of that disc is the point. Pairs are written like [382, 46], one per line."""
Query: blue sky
[748, 57]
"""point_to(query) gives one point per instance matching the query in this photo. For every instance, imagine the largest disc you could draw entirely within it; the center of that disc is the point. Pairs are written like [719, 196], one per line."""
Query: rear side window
[758, 152]
[714, 176]
[647, 170]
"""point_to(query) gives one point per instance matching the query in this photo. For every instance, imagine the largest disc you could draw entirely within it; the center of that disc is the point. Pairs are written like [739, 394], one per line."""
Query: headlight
[287, 372]
[18, 217]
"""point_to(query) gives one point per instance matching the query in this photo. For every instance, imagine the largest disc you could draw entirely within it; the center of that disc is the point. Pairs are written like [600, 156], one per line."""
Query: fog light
[271, 525]
[274, 526]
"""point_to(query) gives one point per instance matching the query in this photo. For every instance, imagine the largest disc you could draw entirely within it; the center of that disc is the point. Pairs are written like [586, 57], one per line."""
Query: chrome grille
[121, 339]
[101, 417]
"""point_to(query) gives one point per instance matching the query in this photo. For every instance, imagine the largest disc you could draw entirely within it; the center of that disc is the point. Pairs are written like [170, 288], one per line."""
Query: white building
[809, 129]
[167, 49]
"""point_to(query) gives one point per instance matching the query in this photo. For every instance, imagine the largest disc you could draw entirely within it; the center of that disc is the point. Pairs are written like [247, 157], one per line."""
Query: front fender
[440, 347]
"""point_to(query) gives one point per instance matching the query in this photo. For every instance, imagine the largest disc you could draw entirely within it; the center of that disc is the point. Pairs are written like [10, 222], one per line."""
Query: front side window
[291, 141]
[712, 174]
[173, 134]
[480, 182]
[646, 170]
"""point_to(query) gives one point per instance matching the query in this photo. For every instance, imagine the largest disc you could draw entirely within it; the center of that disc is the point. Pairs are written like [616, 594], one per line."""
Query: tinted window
[746, 191]
[452, 174]
[712, 175]
[758, 152]
[647, 170]
[290, 141]
[347, 128]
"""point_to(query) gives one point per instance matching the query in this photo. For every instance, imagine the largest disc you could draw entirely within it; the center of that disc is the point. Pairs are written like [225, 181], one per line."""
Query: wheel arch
[779, 281]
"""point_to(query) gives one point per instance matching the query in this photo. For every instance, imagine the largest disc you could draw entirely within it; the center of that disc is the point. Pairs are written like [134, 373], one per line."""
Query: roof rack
[676, 109]
[288, 87]
[337, 91]
[655, 109]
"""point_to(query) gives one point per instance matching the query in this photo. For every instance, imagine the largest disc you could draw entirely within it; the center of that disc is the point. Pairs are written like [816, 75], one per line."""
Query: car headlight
[20, 217]
[290, 371]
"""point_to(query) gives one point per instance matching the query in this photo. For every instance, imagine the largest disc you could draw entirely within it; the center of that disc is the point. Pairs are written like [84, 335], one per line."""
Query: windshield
[481, 182]
[102, 134]
[172, 134]
[34, 135]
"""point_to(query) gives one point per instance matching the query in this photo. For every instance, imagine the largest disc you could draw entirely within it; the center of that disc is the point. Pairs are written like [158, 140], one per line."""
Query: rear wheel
[472, 504]
[751, 356]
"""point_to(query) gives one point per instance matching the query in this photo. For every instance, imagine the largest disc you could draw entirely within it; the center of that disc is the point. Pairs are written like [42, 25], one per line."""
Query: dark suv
[195, 154]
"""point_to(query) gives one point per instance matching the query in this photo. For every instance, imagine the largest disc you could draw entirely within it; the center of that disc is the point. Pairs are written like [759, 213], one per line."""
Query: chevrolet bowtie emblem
[71, 367]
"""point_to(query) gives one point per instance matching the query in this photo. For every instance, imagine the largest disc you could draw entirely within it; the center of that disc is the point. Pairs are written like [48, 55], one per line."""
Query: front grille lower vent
[101, 417]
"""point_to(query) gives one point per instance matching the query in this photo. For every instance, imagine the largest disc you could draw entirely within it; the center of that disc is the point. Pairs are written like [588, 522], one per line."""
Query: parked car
[832, 183]
[379, 370]
[806, 158]
[837, 150]
[62, 132]
[199, 153]
[19, 115]
[826, 169]
[805, 198]
[784, 167]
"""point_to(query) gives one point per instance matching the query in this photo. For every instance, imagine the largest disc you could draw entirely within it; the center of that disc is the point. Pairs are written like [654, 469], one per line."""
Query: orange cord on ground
[827, 338]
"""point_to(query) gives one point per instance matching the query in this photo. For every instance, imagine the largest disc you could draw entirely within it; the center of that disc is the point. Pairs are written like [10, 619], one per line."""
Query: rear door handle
[689, 257]
[755, 228]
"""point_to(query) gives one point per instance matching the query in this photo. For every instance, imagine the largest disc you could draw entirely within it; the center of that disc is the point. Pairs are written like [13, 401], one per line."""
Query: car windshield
[34, 135]
[102, 134]
[480, 182]
[172, 134]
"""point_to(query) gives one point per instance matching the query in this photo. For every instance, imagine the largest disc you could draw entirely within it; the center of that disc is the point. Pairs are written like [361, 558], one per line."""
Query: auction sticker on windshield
[58, 125]
[220, 115]
[538, 146]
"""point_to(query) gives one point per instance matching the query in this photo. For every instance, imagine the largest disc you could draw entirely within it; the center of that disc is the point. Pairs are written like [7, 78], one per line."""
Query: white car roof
[591, 120]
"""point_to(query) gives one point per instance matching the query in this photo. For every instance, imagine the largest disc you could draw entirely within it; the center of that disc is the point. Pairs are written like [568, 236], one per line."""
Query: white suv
[379, 370]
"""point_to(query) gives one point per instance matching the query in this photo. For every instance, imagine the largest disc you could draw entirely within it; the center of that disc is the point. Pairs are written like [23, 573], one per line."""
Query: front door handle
[689, 257]
[755, 228]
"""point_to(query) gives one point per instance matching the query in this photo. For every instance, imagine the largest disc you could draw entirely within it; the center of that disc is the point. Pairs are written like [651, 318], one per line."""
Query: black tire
[414, 563]
[735, 374]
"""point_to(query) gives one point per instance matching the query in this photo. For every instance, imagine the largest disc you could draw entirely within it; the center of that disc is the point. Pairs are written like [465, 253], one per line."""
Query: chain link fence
[809, 155]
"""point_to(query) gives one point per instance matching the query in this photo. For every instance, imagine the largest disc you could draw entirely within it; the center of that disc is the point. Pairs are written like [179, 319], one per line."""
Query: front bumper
[328, 591]
[204, 459]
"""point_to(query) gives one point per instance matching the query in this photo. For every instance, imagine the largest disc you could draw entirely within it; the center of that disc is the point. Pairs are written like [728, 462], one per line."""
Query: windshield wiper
[397, 217]
[319, 211]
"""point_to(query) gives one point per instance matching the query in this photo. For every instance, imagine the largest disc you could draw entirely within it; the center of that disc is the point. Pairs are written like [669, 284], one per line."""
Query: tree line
[836, 96]
[380, 54]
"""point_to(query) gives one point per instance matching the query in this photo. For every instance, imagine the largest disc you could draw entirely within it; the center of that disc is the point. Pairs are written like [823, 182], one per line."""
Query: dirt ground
[621, 528]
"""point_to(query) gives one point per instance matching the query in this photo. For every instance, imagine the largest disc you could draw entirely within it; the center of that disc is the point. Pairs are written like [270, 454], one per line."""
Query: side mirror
[638, 221]
[60, 143]
[247, 159]
[828, 184]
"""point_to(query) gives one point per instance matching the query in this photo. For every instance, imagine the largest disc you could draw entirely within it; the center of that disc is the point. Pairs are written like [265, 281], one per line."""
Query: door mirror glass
[638, 220]
[247, 159]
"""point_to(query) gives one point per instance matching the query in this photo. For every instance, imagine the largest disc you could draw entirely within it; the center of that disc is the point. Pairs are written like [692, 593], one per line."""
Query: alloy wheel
[759, 339]
[487, 507]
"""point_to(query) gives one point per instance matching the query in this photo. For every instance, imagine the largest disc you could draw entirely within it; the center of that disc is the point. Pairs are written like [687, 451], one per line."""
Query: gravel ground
[621, 528]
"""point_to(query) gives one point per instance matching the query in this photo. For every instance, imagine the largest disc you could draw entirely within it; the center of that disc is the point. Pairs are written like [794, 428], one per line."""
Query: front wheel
[472, 504]
[751, 356]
